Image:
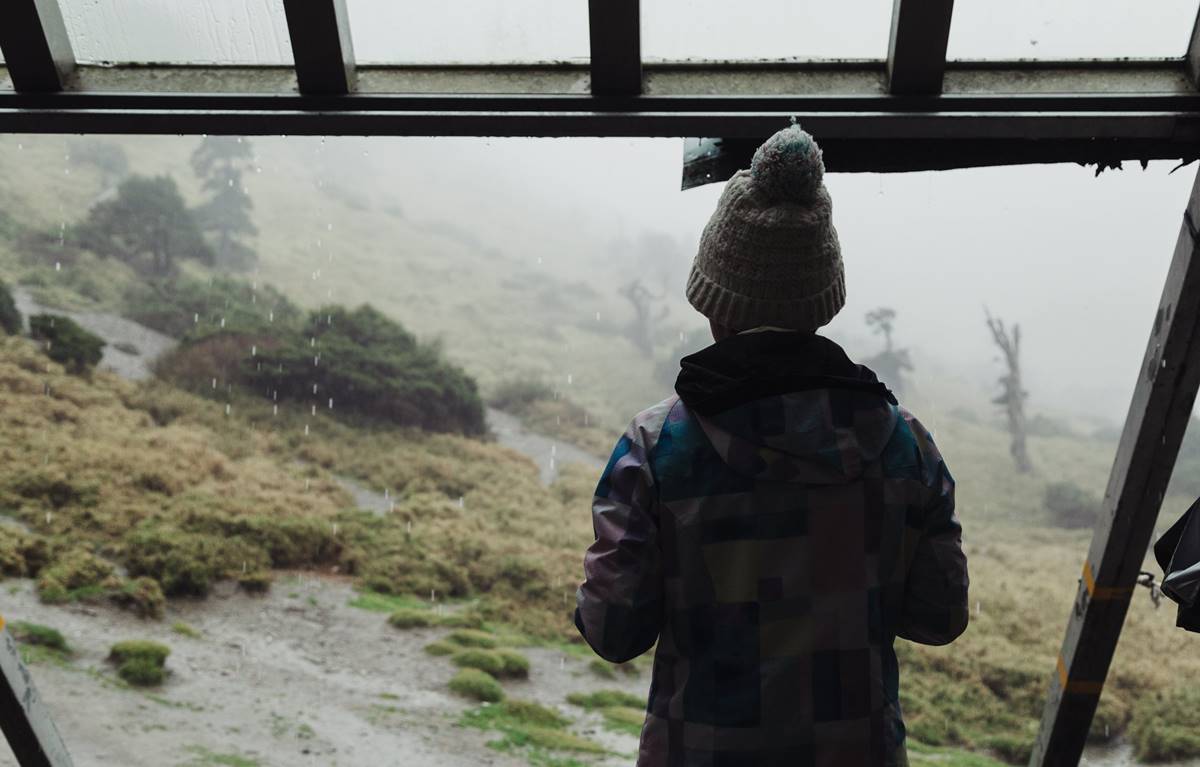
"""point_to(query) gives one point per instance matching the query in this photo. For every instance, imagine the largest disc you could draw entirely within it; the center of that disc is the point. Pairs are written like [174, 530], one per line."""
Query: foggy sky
[1078, 261]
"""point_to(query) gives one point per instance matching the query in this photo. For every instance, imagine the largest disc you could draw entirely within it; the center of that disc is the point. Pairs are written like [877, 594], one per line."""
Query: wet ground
[295, 677]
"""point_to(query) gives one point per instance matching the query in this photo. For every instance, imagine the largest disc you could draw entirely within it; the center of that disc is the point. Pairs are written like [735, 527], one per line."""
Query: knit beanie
[770, 255]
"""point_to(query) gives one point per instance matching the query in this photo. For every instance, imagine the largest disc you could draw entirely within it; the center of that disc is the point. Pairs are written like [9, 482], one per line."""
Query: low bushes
[1166, 726]
[66, 342]
[74, 574]
[41, 636]
[10, 317]
[477, 685]
[1071, 506]
[140, 662]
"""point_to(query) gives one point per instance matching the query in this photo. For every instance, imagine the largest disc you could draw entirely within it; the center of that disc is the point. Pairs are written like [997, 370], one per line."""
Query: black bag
[1178, 554]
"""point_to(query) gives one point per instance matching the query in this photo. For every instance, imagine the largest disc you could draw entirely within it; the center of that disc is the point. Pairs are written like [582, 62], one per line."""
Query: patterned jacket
[774, 527]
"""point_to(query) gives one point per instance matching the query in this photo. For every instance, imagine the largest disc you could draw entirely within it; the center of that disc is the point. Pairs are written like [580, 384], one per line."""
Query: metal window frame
[321, 45]
[917, 45]
[37, 51]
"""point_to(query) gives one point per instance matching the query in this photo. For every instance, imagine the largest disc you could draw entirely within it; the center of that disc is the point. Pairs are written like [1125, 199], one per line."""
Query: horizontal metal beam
[1163, 398]
[614, 27]
[1002, 114]
[37, 51]
[321, 45]
[917, 48]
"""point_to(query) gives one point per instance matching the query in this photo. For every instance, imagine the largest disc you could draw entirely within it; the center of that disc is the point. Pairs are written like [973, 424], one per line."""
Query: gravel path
[548, 453]
[139, 345]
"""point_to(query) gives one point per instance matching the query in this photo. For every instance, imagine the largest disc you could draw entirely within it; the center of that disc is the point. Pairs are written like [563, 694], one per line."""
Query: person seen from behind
[781, 519]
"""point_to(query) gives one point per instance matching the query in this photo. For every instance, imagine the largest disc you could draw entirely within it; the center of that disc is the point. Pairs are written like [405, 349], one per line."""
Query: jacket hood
[788, 406]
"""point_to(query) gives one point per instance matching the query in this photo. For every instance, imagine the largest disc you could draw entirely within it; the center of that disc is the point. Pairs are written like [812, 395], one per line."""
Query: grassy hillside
[111, 481]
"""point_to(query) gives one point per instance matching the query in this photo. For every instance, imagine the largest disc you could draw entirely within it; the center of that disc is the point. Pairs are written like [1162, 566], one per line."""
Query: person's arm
[620, 603]
[935, 601]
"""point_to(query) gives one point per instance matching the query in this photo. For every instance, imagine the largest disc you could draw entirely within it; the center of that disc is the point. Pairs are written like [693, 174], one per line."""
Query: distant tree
[1012, 396]
[219, 161]
[891, 362]
[645, 317]
[10, 317]
[146, 225]
[107, 157]
[66, 342]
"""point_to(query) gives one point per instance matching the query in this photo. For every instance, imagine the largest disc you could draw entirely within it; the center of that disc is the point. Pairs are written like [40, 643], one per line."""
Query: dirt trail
[139, 345]
[295, 677]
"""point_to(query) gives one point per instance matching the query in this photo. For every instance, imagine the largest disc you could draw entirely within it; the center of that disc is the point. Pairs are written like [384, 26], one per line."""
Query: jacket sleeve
[935, 601]
[620, 604]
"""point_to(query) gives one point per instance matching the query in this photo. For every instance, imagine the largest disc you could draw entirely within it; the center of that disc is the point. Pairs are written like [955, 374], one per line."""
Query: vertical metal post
[321, 45]
[23, 719]
[917, 49]
[37, 51]
[614, 27]
[1158, 416]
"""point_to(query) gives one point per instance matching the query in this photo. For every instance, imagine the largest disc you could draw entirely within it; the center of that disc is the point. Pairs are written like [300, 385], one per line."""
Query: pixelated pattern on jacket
[774, 580]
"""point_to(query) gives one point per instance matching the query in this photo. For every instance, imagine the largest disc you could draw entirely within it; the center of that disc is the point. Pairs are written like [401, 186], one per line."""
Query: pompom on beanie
[770, 255]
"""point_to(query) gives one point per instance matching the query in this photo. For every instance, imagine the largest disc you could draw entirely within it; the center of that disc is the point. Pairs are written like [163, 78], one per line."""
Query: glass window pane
[777, 29]
[191, 31]
[468, 31]
[1070, 29]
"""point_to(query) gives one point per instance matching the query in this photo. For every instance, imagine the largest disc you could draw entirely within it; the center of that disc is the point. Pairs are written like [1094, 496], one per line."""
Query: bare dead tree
[890, 363]
[641, 328]
[1012, 396]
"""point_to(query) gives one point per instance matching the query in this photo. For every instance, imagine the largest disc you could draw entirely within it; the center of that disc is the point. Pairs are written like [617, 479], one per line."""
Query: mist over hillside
[464, 239]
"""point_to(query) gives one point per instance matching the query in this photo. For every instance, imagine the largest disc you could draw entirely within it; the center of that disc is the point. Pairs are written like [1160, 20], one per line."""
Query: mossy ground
[539, 733]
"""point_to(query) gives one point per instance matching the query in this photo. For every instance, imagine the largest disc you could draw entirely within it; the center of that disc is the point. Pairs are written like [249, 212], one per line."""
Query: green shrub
[477, 685]
[1166, 726]
[139, 648]
[605, 699]
[602, 668]
[484, 660]
[516, 394]
[472, 638]
[468, 619]
[36, 634]
[371, 367]
[408, 618]
[141, 672]
[10, 317]
[66, 342]
[76, 573]
[627, 719]
[528, 712]
[194, 309]
[515, 665]
[440, 648]
[143, 596]
[187, 562]
[21, 554]
[187, 630]
[255, 582]
[1071, 506]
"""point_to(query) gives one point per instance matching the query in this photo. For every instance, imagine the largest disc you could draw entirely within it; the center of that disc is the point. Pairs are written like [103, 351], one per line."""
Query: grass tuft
[477, 685]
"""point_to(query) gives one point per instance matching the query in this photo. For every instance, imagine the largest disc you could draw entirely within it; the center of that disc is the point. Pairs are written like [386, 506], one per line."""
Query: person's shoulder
[911, 447]
[647, 426]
